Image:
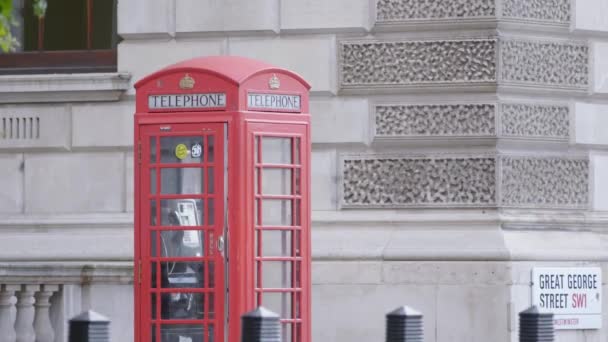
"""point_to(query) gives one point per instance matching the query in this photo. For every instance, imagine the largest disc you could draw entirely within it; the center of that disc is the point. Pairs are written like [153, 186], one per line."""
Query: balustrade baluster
[42, 320]
[7, 330]
[24, 326]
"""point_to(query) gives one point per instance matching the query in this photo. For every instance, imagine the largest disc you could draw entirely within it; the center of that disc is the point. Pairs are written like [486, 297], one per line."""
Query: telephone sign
[222, 200]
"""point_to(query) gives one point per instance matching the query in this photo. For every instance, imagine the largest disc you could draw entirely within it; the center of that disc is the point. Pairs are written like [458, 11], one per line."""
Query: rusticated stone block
[429, 120]
[394, 64]
[395, 10]
[438, 180]
[538, 121]
[535, 121]
[557, 11]
[384, 63]
[562, 64]
[403, 181]
[544, 182]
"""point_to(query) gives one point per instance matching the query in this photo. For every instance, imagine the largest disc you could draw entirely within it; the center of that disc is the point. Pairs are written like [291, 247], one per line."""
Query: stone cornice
[63, 87]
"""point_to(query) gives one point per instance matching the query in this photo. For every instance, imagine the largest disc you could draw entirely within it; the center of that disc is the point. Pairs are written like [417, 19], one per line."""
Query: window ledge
[63, 87]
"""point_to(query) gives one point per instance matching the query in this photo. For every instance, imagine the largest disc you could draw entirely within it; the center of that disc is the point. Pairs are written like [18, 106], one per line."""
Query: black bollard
[89, 326]
[260, 325]
[535, 326]
[404, 325]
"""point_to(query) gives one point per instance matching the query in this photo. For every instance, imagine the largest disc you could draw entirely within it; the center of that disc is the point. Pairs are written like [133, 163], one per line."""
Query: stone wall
[455, 146]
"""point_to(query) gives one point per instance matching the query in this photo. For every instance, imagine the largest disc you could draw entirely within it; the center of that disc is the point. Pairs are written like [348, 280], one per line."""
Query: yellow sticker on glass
[181, 151]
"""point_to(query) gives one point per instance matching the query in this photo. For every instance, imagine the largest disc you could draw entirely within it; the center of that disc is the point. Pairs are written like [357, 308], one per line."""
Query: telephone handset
[182, 274]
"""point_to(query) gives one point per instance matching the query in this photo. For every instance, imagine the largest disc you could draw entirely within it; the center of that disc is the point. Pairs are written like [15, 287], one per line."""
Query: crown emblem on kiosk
[274, 82]
[187, 82]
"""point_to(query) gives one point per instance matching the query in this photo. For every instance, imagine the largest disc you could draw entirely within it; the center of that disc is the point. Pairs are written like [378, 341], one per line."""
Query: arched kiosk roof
[235, 69]
[231, 83]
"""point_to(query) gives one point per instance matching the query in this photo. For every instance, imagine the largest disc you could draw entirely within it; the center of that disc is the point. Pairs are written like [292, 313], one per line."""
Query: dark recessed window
[73, 36]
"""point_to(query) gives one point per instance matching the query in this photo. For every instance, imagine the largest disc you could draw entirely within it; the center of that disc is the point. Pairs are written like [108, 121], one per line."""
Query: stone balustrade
[38, 298]
[25, 314]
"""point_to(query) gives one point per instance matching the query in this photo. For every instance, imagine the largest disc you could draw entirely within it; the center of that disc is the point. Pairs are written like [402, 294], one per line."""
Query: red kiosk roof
[232, 68]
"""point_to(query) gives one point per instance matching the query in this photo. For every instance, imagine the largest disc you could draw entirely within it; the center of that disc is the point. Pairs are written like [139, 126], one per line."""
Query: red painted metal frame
[209, 229]
[236, 77]
[299, 318]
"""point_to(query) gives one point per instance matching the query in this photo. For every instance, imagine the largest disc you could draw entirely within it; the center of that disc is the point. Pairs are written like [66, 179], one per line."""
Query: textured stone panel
[544, 182]
[74, 182]
[562, 64]
[11, 183]
[103, 124]
[535, 120]
[419, 181]
[417, 62]
[34, 127]
[538, 10]
[435, 120]
[397, 10]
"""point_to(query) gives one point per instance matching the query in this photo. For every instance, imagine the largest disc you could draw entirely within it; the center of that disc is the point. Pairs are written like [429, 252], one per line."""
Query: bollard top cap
[404, 311]
[90, 316]
[260, 312]
[533, 311]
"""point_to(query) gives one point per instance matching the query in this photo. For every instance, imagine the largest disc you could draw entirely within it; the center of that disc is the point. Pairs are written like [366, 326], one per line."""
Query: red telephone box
[222, 200]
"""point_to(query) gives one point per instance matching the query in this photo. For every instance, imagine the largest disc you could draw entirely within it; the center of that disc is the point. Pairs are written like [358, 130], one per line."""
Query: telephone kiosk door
[183, 223]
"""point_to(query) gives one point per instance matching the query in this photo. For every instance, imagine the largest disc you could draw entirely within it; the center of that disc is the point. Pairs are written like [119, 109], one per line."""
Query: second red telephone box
[222, 200]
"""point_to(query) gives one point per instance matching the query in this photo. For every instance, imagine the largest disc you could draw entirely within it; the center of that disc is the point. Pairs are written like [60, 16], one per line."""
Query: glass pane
[256, 156]
[298, 182]
[286, 332]
[279, 303]
[152, 213]
[153, 305]
[153, 272]
[211, 274]
[276, 181]
[153, 243]
[152, 149]
[181, 149]
[182, 243]
[182, 274]
[188, 180]
[181, 212]
[211, 147]
[210, 180]
[297, 217]
[276, 242]
[276, 274]
[153, 333]
[256, 180]
[211, 297]
[182, 333]
[276, 212]
[211, 211]
[211, 336]
[182, 306]
[152, 181]
[296, 157]
[276, 150]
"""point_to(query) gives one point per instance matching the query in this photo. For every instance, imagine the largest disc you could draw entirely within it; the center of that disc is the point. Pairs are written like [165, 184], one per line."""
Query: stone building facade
[456, 145]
